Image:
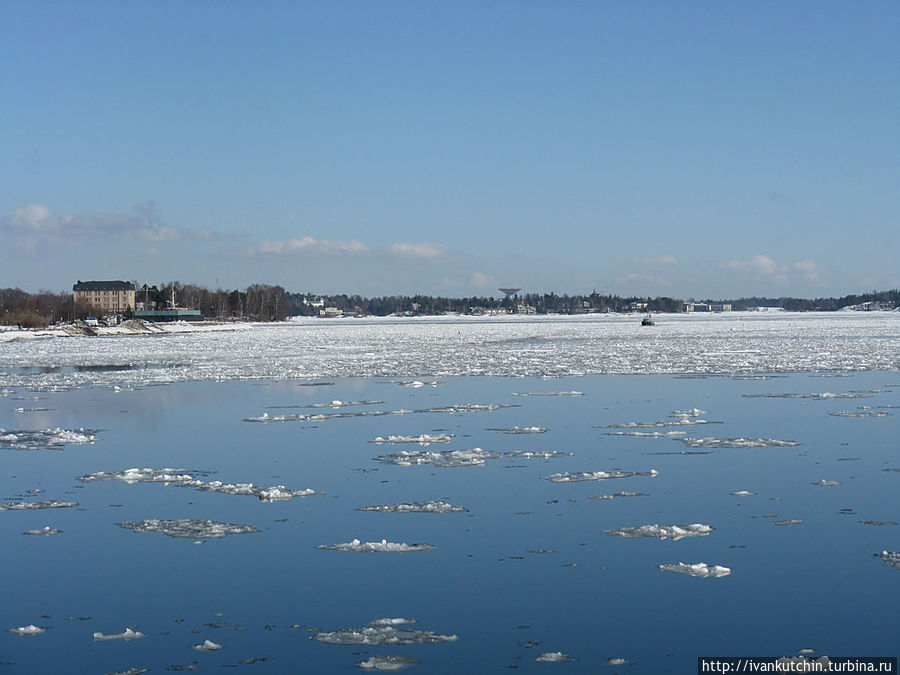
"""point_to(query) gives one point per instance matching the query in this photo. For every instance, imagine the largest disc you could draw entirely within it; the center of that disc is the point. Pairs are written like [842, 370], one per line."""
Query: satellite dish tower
[509, 292]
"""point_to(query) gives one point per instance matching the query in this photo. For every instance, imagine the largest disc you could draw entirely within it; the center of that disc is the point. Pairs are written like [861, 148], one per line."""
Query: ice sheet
[44, 531]
[892, 558]
[53, 439]
[35, 506]
[554, 657]
[127, 634]
[30, 629]
[737, 443]
[423, 439]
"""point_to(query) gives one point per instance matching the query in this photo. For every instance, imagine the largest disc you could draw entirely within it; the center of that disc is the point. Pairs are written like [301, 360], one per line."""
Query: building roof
[103, 286]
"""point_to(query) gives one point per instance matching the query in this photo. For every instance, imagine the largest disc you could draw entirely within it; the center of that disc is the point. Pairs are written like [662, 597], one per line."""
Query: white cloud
[641, 279]
[423, 251]
[312, 245]
[659, 260]
[809, 269]
[480, 280]
[36, 226]
[758, 264]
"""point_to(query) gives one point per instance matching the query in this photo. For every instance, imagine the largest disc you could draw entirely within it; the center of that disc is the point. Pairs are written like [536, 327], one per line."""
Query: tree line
[264, 302]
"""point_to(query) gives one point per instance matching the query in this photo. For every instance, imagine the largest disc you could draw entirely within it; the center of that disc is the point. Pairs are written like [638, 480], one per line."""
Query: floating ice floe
[414, 384]
[319, 417]
[395, 621]
[44, 531]
[597, 475]
[521, 430]
[36, 506]
[693, 412]
[28, 410]
[416, 507]
[787, 522]
[554, 657]
[549, 393]
[51, 439]
[423, 439]
[207, 646]
[826, 483]
[655, 425]
[445, 459]
[647, 434]
[387, 663]
[343, 404]
[877, 523]
[126, 635]
[743, 493]
[188, 528]
[618, 494]
[537, 454]
[616, 661]
[466, 407]
[859, 413]
[824, 396]
[737, 443]
[697, 569]
[30, 629]
[176, 476]
[381, 633]
[383, 546]
[673, 532]
[131, 671]
[136, 475]
[892, 558]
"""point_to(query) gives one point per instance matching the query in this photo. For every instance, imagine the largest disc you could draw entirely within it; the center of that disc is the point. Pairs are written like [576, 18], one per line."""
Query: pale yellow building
[105, 297]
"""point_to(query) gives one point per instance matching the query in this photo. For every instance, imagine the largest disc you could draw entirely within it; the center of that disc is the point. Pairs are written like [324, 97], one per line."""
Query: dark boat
[647, 321]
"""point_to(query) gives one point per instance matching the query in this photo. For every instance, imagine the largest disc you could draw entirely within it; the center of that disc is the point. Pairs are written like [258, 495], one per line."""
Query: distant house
[105, 297]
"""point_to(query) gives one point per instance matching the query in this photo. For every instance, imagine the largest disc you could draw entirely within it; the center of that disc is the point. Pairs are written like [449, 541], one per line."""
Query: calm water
[262, 596]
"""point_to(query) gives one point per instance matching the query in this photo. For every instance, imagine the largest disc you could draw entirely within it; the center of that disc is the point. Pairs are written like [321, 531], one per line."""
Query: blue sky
[691, 149]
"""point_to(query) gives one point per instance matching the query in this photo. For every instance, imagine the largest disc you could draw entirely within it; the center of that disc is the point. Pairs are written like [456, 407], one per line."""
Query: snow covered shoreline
[132, 327]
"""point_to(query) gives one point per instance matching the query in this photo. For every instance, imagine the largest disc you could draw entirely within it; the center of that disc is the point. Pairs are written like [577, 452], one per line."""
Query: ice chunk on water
[387, 663]
[416, 507]
[376, 635]
[549, 393]
[52, 439]
[188, 528]
[537, 454]
[207, 646]
[44, 531]
[693, 412]
[319, 417]
[786, 522]
[35, 506]
[126, 635]
[597, 475]
[554, 657]
[266, 494]
[30, 629]
[743, 493]
[697, 569]
[445, 459]
[824, 396]
[383, 546]
[616, 661]
[859, 413]
[466, 407]
[655, 425]
[397, 621]
[648, 434]
[673, 532]
[423, 439]
[825, 483]
[737, 443]
[343, 404]
[521, 430]
[136, 475]
[892, 558]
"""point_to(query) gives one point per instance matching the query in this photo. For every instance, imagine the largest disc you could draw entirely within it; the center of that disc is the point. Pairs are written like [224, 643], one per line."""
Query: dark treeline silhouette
[263, 302]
